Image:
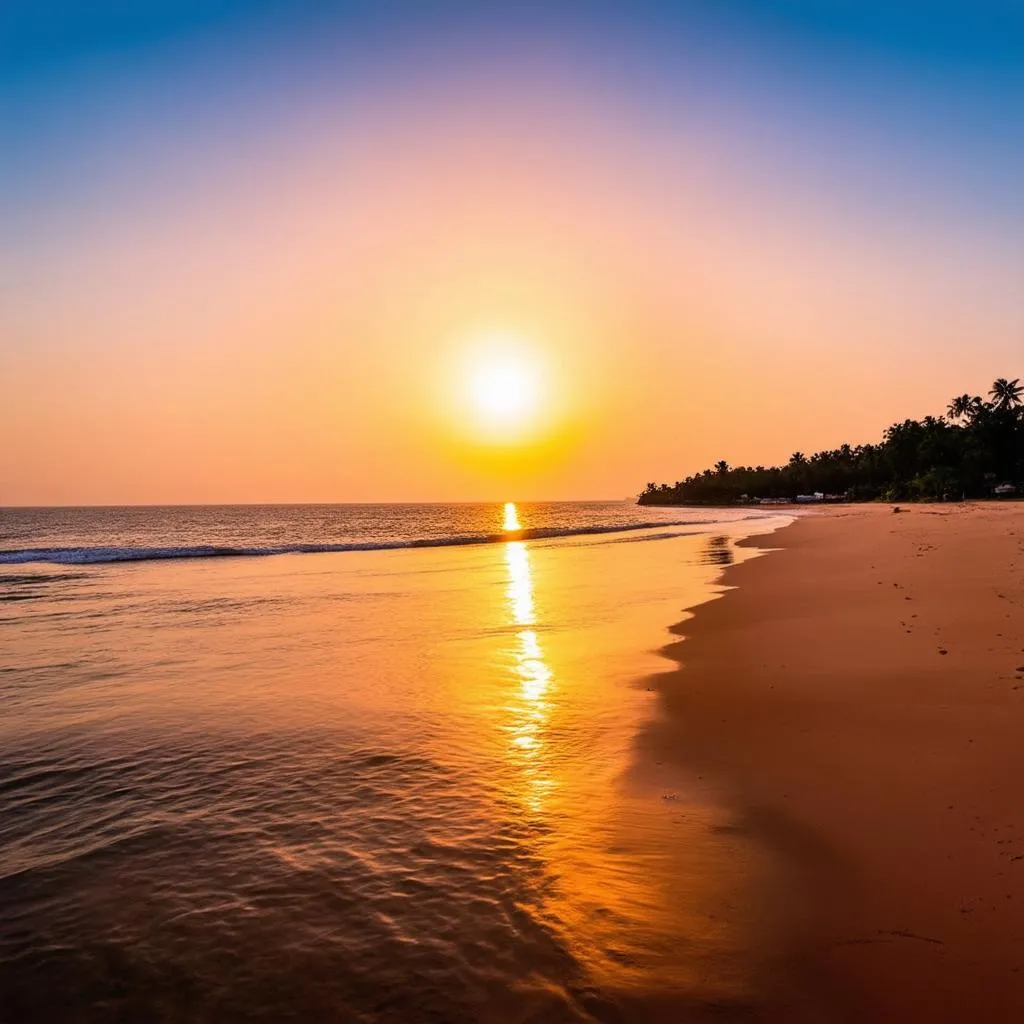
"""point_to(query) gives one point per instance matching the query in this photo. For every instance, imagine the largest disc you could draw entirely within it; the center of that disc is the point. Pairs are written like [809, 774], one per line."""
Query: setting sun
[504, 386]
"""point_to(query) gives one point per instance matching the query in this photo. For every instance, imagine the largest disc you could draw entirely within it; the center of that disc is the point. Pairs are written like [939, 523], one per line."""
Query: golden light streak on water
[520, 584]
[531, 706]
[511, 522]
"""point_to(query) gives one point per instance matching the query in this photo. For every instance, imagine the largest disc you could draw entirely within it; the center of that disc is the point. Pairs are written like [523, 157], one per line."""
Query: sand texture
[860, 699]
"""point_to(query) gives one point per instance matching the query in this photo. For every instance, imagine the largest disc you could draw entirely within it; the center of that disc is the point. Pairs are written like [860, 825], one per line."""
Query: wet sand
[859, 699]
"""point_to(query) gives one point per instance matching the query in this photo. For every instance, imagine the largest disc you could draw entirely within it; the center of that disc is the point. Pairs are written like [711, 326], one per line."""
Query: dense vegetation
[968, 451]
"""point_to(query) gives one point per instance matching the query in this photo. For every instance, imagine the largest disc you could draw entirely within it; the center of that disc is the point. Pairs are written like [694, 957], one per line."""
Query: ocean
[357, 763]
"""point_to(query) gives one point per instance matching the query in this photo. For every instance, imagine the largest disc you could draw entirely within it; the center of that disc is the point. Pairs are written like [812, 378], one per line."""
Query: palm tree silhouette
[966, 451]
[1006, 394]
[960, 407]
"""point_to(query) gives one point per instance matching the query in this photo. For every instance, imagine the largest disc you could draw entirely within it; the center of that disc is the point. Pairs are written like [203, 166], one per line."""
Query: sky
[260, 251]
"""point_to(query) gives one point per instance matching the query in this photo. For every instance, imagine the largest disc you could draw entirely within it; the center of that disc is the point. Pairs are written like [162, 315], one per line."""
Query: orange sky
[203, 307]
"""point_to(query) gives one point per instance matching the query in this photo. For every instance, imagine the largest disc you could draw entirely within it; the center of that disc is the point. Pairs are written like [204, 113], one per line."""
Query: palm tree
[960, 407]
[967, 450]
[1006, 394]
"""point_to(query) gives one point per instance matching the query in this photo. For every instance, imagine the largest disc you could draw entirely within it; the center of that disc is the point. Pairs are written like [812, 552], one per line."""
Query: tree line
[968, 451]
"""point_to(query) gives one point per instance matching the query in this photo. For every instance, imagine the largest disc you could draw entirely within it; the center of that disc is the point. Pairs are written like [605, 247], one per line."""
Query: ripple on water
[284, 885]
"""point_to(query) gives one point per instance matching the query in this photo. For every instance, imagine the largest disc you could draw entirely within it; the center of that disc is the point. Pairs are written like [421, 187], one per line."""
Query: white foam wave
[100, 555]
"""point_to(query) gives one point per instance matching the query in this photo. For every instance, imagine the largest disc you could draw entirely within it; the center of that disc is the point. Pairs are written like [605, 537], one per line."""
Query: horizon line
[296, 504]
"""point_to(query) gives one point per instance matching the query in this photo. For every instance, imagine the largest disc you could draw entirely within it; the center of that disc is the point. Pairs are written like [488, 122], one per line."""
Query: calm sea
[385, 773]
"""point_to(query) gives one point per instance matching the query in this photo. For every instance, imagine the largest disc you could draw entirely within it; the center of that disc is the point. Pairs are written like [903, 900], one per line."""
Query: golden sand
[860, 699]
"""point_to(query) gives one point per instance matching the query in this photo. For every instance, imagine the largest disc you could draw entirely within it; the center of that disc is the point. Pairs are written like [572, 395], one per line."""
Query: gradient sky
[244, 246]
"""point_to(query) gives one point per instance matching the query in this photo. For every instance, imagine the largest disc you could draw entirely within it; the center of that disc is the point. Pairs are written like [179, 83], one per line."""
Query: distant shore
[860, 699]
[831, 501]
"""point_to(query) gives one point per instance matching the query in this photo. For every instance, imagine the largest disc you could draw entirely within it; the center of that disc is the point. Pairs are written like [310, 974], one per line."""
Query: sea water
[386, 773]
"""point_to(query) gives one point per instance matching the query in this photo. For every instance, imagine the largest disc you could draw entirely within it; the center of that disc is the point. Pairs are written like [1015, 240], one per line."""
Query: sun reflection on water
[511, 523]
[626, 878]
[531, 708]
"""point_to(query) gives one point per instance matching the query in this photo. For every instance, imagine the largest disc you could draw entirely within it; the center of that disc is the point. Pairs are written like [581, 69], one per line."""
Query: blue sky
[37, 36]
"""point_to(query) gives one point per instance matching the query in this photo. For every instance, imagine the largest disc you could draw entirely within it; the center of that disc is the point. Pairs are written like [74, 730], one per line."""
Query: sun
[504, 385]
[503, 390]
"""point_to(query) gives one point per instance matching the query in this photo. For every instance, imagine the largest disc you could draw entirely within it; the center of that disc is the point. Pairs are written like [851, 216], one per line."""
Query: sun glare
[504, 386]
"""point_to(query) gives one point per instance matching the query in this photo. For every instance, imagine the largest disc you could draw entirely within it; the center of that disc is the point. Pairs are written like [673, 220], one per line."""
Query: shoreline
[845, 503]
[854, 697]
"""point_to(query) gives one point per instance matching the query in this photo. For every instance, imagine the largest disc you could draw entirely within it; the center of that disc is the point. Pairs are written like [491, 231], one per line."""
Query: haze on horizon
[251, 254]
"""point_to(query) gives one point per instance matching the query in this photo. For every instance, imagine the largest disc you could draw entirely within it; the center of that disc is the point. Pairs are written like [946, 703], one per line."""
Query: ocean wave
[100, 555]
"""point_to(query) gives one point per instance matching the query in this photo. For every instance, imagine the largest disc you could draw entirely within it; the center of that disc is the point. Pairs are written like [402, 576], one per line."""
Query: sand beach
[859, 699]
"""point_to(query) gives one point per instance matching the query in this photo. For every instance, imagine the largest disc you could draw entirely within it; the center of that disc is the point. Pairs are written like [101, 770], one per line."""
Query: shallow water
[376, 786]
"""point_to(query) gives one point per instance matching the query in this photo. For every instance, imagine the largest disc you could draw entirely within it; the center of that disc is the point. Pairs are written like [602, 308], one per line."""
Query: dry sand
[860, 697]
